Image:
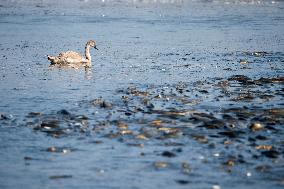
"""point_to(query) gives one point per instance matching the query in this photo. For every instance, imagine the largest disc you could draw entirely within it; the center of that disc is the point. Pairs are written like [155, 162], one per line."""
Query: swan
[73, 59]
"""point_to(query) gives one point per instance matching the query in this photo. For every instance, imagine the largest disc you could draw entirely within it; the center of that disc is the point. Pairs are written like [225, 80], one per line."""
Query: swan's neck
[87, 53]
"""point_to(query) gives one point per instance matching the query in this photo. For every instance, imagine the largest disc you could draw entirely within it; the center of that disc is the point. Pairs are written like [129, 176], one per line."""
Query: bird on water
[74, 59]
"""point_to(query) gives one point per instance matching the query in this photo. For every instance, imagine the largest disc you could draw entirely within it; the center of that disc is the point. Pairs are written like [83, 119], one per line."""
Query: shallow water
[168, 101]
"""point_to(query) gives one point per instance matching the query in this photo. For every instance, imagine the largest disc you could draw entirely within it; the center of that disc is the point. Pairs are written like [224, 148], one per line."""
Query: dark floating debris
[230, 134]
[49, 124]
[51, 149]
[101, 103]
[27, 158]
[182, 182]
[242, 79]
[34, 114]
[63, 112]
[3, 116]
[271, 153]
[54, 177]
[223, 114]
[201, 139]
[168, 154]
[263, 168]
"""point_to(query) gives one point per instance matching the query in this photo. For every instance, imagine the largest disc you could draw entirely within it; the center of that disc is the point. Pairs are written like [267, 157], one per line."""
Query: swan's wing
[71, 57]
[70, 54]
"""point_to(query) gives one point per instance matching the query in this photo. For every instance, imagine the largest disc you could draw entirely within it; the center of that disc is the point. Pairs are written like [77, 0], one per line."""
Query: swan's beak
[96, 47]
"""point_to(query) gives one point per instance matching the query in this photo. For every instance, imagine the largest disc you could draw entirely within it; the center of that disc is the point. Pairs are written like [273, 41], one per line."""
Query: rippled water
[156, 48]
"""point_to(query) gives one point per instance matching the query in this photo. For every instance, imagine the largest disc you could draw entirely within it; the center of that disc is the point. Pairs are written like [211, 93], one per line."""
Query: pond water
[180, 94]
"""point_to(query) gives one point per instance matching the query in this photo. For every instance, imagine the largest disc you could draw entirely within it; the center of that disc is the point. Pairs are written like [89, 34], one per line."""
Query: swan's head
[92, 43]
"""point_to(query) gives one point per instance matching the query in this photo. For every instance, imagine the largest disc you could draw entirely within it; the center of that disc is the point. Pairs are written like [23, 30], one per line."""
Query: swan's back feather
[70, 57]
[70, 54]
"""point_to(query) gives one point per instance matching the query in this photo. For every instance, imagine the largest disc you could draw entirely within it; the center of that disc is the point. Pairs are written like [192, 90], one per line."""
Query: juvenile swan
[71, 58]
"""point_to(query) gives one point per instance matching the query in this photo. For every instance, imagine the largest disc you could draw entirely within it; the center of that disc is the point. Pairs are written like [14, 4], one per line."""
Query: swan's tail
[51, 58]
